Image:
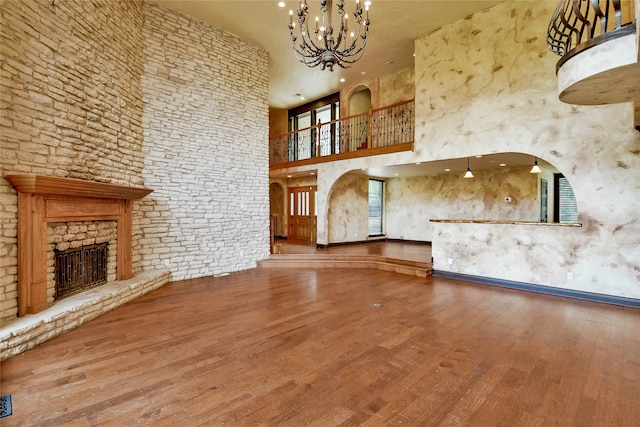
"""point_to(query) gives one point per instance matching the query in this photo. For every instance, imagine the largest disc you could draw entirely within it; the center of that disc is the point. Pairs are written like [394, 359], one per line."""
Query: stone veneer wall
[206, 129]
[71, 103]
[132, 93]
[62, 236]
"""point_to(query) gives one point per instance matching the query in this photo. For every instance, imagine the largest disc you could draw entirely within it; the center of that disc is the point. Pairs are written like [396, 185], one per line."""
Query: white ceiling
[395, 24]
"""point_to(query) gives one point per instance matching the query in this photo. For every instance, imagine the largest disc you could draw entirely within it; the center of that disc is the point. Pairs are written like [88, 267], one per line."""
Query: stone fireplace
[45, 201]
[63, 213]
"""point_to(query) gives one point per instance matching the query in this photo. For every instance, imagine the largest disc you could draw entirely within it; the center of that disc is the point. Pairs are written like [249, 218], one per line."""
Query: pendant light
[468, 173]
[535, 168]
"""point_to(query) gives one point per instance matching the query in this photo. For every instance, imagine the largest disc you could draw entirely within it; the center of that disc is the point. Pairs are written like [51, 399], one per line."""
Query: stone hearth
[28, 331]
[43, 200]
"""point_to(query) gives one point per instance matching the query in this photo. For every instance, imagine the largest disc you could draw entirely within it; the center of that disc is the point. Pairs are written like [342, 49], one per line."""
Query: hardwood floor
[302, 347]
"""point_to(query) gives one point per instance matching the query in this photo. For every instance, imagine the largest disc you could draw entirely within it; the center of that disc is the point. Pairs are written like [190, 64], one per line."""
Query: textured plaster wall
[397, 87]
[206, 130]
[349, 209]
[412, 202]
[487, 84]
[385, 90]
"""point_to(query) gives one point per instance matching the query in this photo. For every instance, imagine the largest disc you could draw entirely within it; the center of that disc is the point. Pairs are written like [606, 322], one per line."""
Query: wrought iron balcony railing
[384, 127]
[579, 24]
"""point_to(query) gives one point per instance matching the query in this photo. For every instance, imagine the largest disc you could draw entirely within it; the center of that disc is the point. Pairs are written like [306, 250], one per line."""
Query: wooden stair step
[413, 268]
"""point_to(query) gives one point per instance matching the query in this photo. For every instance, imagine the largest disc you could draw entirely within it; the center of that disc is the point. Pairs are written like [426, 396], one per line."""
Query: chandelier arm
[341, 31]
[306, 35]
[307, 56]
[361, 24]
[310, 58]
[302, 48]
[352, 57]
[351, 50]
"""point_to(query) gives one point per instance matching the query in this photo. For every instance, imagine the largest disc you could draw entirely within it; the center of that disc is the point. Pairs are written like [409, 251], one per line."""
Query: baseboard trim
[417, 242]
[541, 289]
[371, 240]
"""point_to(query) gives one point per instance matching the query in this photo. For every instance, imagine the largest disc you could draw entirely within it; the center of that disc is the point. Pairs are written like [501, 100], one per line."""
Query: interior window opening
[565, 205]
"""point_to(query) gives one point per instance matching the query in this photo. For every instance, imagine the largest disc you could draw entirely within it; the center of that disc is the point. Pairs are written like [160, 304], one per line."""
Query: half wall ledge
[503, 222]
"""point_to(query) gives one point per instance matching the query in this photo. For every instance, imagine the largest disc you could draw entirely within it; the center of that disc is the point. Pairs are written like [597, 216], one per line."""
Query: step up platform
[412, 268]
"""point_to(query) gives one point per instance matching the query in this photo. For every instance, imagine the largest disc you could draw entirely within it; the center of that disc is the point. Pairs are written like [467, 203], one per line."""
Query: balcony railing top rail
[579, 24]
[379, 128]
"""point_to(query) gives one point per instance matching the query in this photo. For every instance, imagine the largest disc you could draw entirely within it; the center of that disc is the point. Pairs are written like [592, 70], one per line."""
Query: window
[376, 207]
[305, 144]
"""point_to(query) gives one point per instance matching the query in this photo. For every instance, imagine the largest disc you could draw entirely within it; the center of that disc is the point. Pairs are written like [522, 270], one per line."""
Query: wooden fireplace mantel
[53, 185]
[44, 199]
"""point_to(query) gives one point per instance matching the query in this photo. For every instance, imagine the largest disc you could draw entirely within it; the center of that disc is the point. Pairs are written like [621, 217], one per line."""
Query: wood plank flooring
[292, 347]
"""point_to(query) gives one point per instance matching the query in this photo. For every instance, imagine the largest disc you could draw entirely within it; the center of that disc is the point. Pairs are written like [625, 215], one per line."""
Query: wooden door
[302, 213]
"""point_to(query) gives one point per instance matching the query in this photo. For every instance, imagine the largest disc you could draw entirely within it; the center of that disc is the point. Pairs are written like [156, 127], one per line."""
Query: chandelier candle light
[324, 46]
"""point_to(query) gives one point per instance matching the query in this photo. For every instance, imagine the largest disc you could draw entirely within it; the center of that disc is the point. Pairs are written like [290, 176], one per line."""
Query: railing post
[318, 148]
[370, 132]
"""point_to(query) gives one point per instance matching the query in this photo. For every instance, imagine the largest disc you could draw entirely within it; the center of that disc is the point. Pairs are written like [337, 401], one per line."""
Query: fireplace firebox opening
[79, 269]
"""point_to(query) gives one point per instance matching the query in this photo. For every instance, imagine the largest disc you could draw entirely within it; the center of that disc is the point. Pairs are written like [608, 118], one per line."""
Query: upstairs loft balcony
[384, 130]
[598, 43]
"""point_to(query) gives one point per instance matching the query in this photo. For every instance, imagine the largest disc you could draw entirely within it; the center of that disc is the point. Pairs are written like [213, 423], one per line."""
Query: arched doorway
[359, 107]
[360, 101]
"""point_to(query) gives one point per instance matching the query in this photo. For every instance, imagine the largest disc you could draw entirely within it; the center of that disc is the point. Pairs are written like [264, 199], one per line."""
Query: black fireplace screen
[79, 269]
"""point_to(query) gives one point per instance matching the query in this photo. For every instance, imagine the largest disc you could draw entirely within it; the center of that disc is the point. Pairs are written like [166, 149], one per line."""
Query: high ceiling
[395, 24]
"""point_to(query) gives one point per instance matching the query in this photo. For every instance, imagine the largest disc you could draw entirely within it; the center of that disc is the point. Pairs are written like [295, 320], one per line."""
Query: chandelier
[325, 45]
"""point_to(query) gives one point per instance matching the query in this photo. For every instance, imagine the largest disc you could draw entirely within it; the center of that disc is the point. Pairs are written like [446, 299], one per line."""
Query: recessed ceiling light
[342, 80]
[281, 4]
[503, 164]
[364, 73]
[311, 173]
[418, 163]
[447, 170]
[477, 157]
[288, 176]
[395, 174]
